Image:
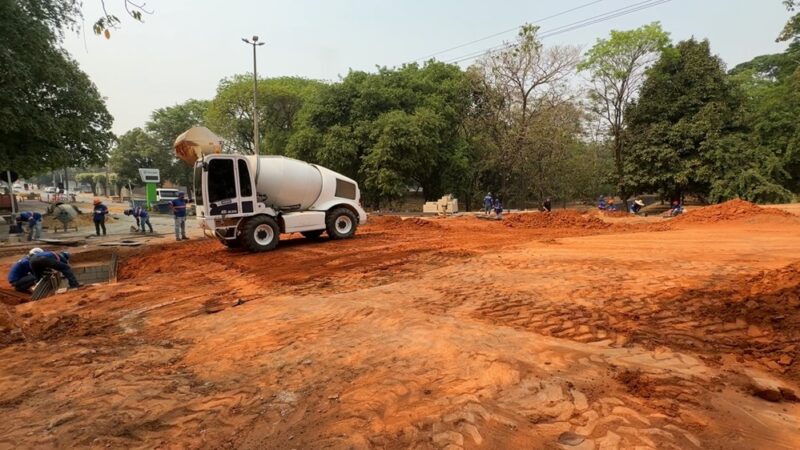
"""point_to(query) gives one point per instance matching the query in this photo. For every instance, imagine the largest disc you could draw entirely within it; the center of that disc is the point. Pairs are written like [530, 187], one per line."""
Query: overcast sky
[185, 47]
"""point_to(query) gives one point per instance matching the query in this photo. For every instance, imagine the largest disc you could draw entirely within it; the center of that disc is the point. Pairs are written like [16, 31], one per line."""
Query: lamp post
[256, 138]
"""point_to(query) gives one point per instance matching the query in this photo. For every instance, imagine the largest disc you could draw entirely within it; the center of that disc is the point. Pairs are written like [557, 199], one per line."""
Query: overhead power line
[630, 9]
[424, 58]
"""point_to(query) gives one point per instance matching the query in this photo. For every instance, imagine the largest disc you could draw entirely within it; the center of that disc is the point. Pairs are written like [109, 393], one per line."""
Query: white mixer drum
[289, 184]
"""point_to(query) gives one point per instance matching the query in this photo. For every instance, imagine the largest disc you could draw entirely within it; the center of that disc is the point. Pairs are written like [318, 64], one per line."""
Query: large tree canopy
[230, 113]
[617, 66]
[135, 150]
[689, 135]
[390, 130]
[166, 124]
[51, 114]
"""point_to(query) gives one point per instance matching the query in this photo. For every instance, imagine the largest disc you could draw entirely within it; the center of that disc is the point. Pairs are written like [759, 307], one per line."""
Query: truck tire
[341, 223]
[314, 234]
[260, 234]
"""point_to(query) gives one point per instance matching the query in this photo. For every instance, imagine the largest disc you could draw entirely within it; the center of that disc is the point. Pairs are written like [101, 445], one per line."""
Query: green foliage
[390, 130]
[136, 149]
[617, 66]
[791, 31]
[525, 119]
[689, 133]
[87, 178]
[230, 113]
[165, 125]
[52, 116]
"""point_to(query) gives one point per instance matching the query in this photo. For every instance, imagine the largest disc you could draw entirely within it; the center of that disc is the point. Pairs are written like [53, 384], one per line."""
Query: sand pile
[560, 219]
[728, 211]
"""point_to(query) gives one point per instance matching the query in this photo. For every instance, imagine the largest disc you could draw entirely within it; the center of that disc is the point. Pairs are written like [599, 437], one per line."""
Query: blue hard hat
[65, 255]
[181, 194]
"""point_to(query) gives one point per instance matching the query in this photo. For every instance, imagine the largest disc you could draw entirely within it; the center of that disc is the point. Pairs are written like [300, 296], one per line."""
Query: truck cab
[248, 201]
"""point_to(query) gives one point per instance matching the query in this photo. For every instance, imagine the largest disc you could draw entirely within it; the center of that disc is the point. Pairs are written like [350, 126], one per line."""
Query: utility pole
[256, 138]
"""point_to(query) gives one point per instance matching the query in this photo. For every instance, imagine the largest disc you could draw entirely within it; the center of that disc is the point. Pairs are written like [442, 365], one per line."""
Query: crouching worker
[42, 262]
[20, 275]
[34, 222]
[142, 218]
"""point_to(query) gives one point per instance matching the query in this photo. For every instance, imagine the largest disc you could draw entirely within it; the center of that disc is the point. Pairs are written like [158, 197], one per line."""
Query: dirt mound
[754, 317]
[560, 219]
[728, 211]
[400, 223]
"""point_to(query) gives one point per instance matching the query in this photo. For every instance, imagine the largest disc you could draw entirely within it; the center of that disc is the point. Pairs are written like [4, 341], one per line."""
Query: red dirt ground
[427, 333]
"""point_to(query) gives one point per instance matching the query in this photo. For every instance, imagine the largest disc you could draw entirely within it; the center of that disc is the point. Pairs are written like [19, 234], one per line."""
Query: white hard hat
[34, 251]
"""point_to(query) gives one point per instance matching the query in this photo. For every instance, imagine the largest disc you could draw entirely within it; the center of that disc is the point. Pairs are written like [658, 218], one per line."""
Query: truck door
[221, 186]
[247, 196]
[230, 187]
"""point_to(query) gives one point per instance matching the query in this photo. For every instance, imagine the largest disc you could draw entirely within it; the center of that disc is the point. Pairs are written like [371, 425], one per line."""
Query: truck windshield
[198, 184]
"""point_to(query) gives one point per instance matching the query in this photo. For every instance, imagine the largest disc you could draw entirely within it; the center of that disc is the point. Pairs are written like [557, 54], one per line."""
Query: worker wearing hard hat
[20, 276]
[34, 222]
[178, 207]
[99, 213]
[44, 261]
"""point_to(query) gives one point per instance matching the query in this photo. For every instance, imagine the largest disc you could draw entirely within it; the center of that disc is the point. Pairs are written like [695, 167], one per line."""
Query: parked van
[166, 194]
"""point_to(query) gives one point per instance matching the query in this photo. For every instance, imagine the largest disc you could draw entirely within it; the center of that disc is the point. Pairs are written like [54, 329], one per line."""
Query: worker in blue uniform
[44, 261]
[178, 207]
[20, 275]
[34, 222]
[142, 218]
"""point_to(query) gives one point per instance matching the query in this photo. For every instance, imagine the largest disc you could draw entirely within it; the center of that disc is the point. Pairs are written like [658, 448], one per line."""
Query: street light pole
[256, 137]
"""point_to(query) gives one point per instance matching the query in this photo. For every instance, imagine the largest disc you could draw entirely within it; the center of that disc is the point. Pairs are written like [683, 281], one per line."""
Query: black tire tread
[330, 223]
[248, 232]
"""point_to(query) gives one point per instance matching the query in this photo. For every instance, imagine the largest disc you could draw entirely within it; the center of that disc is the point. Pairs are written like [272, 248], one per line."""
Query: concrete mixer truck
[248, 201]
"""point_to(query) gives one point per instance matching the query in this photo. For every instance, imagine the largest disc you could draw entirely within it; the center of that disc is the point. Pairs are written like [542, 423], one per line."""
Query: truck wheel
[341, 223]
[260, 234]
[314, 234]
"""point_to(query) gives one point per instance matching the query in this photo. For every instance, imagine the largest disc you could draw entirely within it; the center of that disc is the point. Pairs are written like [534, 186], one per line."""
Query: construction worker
[547, 205]
[601, 203]
[43, 261]
[34, 222]
[637, 206]
[99, 216]
[498, 208]
[488, 203]
[178, 207]
[142, 218]
[20, 275]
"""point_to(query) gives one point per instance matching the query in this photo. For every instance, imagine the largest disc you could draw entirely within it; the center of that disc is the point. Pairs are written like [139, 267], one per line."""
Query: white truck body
[235, 190]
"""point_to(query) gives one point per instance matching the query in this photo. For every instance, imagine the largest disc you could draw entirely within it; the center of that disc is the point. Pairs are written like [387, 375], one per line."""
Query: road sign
[150, 175]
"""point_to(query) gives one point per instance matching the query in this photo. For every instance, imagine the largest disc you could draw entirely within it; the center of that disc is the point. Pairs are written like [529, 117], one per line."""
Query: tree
[168, 123]
[135, 150]
[230, 113]
[535, 119]
[791, 31]
[391, 130]
[87, 178]
[52, 116]
[617, 66]
[99, 179]
[689, 135]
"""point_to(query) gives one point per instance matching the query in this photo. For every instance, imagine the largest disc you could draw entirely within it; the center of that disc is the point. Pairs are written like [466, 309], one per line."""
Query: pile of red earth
[399, 223]
[730, 210]
[565, 218]
[755, 317]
